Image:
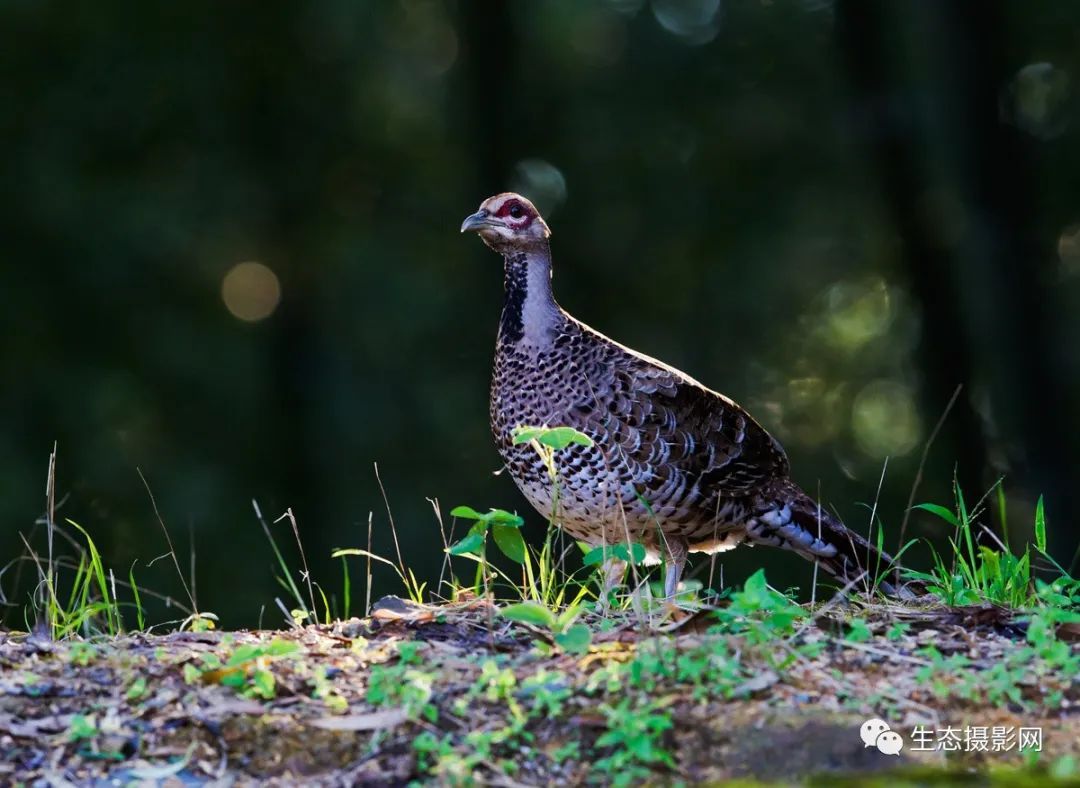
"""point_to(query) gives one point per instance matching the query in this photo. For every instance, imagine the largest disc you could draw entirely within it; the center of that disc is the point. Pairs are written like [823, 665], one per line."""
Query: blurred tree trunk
[490, 66]
[928, 78]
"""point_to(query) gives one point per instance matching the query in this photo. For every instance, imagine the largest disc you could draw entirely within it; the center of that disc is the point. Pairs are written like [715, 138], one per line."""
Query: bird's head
[506, 222]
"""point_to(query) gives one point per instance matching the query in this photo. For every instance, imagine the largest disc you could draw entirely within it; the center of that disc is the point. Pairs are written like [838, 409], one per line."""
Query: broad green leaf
[82, 727]
[529, 613]
[234, 678]
[554, 437]
[281, 648]
[525, 434]
[756, 584]
[244, 653]
[635, 554]
[263, 680]
[858, 631]
[560, 437]
[470, 544]
[509, 540]
[137, 689]
[940, 511]
[576, 639]
[503, 517]
[598, 555]
[466, 512]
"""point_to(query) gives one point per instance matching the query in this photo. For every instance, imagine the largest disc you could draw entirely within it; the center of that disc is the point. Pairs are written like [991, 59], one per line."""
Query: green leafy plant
[759, 612]
[541, 580]
[548, 691]
[547, 441]
[503, 527]
[82, 727]
[633, 553]
[414, 589]
[634, 740]
[91, 607]
[403, 684]
[977, 572]
[247, 668]
[136, 689]
[569, 636]
[322, 688]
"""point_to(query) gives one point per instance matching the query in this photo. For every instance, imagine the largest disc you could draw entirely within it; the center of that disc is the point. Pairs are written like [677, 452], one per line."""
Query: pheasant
[673, 465]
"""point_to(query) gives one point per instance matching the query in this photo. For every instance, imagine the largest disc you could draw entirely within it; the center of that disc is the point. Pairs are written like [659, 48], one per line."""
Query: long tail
[790, 519]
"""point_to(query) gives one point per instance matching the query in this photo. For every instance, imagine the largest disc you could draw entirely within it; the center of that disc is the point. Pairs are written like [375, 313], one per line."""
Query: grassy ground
[533, 676]
[459, 694]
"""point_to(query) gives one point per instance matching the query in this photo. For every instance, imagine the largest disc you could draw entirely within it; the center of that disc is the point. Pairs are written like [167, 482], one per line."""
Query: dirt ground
[455, 694]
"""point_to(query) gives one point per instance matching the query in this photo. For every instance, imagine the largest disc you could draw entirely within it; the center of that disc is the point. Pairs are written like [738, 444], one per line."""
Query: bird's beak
[478, 221]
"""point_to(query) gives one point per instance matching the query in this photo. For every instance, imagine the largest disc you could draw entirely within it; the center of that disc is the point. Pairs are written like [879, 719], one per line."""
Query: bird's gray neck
[529, 310]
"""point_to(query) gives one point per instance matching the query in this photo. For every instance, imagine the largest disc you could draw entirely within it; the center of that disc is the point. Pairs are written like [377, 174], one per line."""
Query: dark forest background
[834, 212]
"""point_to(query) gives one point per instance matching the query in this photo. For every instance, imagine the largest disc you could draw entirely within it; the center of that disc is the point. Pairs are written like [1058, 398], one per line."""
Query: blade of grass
[280, 559]
[346, 588]
[922, 461]
[303, 559]
[168, 540]
[139, 618]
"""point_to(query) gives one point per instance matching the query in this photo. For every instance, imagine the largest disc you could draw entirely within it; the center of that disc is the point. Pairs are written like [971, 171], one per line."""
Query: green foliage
[530, 613]
[759, 612]
[547, 691]
[978, 573]
[1018, 675]
[136, 689]
[323, 689]
[247, 668]
[140, 618]
[897, 630]
[414, 589]
[82, 653]
[503, 526]
[90, 607]
[571, 637]
[575, 639]
[82, 727]
[554, 438]
[858, 631]
[199, 622]
[403, 684]
[455, 762]
[634, 554]
[633, 740]
[542, 582]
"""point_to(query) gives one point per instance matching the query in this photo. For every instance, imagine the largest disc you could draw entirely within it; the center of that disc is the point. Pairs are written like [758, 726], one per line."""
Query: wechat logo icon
[876, 733]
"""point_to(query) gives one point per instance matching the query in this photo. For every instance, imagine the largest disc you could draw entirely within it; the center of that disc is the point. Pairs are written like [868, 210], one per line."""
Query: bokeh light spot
[810, 410]
[251, 291]
[694, 21]
[857, 312]
[541, 182]
[1037, 100]
[599, 37]
[1069, 250]
[885, 420]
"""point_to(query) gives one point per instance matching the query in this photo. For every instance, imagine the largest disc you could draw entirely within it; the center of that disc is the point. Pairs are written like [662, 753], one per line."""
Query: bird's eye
[516, 211]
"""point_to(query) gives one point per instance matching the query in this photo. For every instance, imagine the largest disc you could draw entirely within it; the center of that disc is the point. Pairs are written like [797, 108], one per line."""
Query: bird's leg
[676, 549]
